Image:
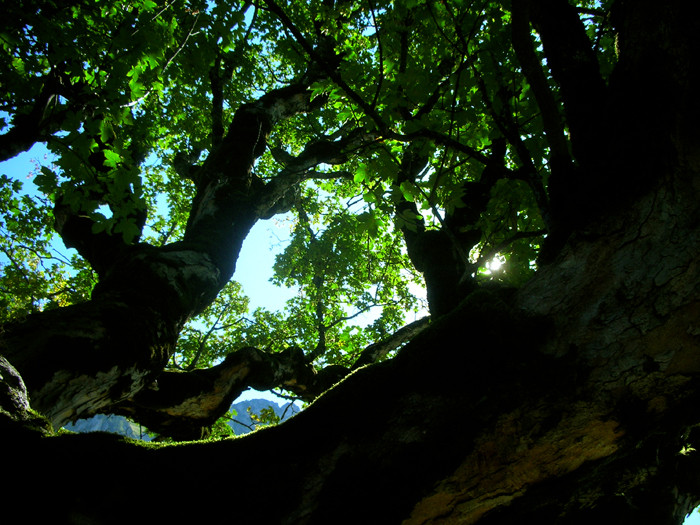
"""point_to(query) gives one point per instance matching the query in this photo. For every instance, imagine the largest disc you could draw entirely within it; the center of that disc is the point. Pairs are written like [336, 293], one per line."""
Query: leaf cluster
[131, 96]
[34, 276]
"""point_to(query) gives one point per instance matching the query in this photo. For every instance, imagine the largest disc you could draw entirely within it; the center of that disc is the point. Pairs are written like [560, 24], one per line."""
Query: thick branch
[377, 351]
[483, 429]
[575, 67]
[552, 119]
[74, 360]
[23, 135]
[226, 204]
[146, 294]
[273, 196]
[100, 249]
[36, 124]
[442, 255]
[185, 405]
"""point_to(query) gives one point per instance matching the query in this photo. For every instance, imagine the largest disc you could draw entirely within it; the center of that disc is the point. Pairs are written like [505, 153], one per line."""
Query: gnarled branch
[184, 405]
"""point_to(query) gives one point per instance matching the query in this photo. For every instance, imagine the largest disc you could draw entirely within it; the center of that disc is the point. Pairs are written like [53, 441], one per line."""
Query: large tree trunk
[565, 401]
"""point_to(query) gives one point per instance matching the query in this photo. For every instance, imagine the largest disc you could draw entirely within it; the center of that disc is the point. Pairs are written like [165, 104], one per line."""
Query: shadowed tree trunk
[562, 402]
[442, 254]
[571, 399]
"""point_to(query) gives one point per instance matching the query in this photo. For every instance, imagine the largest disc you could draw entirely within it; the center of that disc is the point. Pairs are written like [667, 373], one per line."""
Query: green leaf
[106, 131]
[361, 174]
[111, 158]
[138, 78]
[46, 181]
[409, 191]
[128, 229]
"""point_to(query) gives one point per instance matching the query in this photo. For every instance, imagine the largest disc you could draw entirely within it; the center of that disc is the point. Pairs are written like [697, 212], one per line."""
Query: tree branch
[483, 258]
[227, 204]
[297, 169]
[99, 249]
[329, 65]
[185, 405]
[551, 118]
[528, 173]
[377, 351]
[575, 67]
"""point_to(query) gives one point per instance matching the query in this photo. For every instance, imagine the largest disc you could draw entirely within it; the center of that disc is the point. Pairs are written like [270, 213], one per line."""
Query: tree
[407, 139]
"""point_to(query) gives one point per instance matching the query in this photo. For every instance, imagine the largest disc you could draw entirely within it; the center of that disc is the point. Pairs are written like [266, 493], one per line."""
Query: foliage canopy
[424, 154]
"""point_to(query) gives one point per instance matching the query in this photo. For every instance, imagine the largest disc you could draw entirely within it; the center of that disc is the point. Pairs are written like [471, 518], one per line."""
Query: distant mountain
[110, 423]
[242, 422]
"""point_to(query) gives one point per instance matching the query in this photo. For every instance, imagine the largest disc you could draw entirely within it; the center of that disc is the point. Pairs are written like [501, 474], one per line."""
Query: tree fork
[115, 345]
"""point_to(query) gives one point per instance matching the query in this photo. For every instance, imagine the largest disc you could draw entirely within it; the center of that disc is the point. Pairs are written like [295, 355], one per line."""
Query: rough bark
[562, 402]
[184, 406]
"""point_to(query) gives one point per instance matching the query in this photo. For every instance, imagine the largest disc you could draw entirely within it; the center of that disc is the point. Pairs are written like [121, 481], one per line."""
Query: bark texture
[549, 406]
